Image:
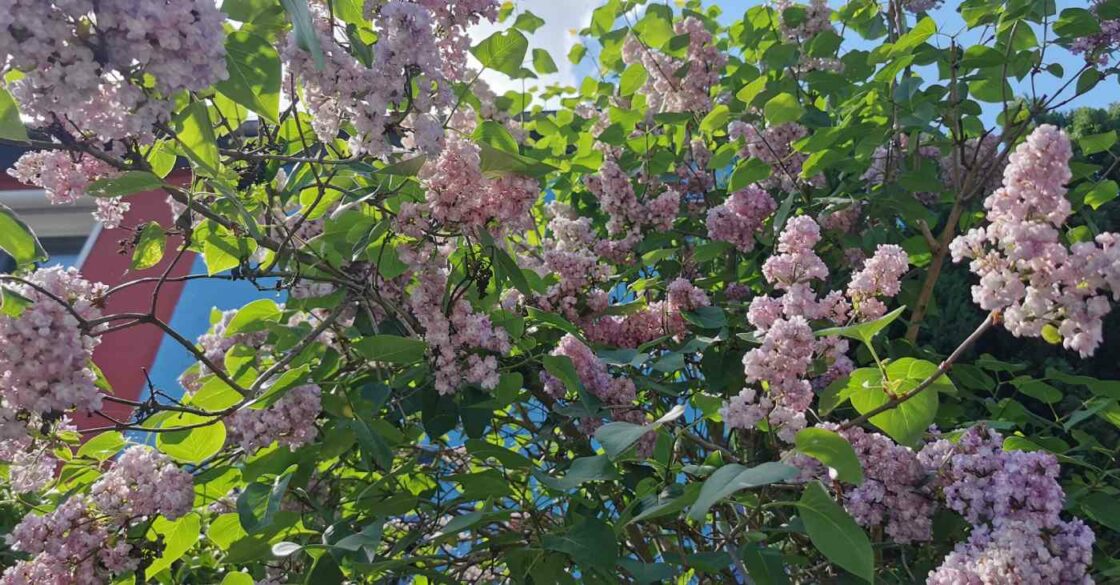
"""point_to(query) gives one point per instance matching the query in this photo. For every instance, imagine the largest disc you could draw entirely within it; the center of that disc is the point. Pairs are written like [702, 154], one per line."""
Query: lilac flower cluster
[880, 276]
[93, 76]
[289, 422]
[420, 51]
[738, 219]
[774, 146]
[65, 177]
[84, 540]
[1025, 271]
[657, 319]
[894, 492]
[461, 341]
[1098, 48]
[669, 90]
[143, 482]
[887, 160]
[459, 195]
[788, 346]
[45, 356]
[977, 167]
[616, 392]
[214, 344]
[1013, 500]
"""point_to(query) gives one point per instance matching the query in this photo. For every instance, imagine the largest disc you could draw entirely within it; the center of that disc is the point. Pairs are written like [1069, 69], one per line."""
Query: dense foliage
[722, 313]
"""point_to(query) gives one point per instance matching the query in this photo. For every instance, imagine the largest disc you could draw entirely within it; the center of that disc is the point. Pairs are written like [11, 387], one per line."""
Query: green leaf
[497, 163]
[582, 470]
[751, 90]
[306, 37]
[126, 183]
[237, 579]
[834, 451]
[706, 317]
[656, 26]
[17, 239]
[528, 22]
[782, 108]
[512, 272]
[1102, 193]
[590, 542]
[149, 247]
[494, 134]
[865, 331]
[178, 538]
[748, 172]
[103, 446]
[196, 137]
[716, 119]
[254, 74]
[734, 477]
[907, 421]
[193, 445]
[616, 437]
[259, 502]
[255, 316]
[1102, 508]
[576, 53]
[1076, 22]
[391, 349]
[502, 51]
[561, 368]
[764, 564]
[1095, 143]
[835, 534]
[11, 127]
[553, 320]
[632, 79]
[914, 37]
[1037, 389]
[543, 63]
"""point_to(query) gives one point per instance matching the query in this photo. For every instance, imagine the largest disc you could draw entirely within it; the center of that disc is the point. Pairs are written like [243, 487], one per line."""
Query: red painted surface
[124, 355]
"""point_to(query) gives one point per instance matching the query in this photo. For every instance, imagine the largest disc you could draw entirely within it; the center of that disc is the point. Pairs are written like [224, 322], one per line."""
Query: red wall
[124, 355]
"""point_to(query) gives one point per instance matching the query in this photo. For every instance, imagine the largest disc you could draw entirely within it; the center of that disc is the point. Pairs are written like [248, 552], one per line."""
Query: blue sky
[564, 17]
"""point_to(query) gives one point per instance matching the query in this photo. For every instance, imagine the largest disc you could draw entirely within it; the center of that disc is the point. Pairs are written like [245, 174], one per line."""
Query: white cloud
[562, 19]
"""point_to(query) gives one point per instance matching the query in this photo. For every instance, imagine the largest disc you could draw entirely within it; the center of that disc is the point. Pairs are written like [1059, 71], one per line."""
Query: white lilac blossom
[1026, 272]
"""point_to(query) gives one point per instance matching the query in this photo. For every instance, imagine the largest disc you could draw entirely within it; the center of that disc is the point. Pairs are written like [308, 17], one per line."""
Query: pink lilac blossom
[290, 421]
[459, 195]
[657, 319]
[894, 493]
[749, 407]
[1025, 271]
[31, 465]
[66, 178]
[70, 546]
[842, 220]
[1014, 501]
[880, 277]
[1019, 552]
[143, 482]
[919, 6]
[461, 342]
[1097, 48]
[179, 45]
[671, 87]
[214, 344]
[45, 356]
[738, 219]
[782, 361]
[796, 263]
[815, 19]
[774, 146]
